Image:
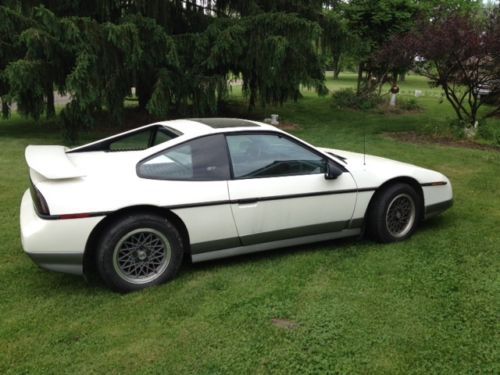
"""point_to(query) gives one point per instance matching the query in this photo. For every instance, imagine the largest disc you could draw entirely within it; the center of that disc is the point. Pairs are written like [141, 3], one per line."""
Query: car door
[279, 189]
[190, 179]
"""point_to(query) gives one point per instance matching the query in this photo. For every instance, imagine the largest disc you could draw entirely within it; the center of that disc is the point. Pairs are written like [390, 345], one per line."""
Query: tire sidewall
[377, 216]
[120, 228]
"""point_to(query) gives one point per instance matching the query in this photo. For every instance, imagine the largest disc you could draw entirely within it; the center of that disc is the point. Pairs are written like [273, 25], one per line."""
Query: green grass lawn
[427, 305]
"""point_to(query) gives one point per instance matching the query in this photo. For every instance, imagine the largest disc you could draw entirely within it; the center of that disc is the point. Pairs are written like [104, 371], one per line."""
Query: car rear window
[137, 140]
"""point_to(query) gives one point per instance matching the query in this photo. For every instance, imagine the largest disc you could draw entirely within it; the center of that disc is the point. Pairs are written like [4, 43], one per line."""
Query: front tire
[395, 213]
[139, 251]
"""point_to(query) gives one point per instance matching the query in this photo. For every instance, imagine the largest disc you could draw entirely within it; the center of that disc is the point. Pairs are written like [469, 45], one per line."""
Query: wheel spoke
[400, 215]
[142, 255]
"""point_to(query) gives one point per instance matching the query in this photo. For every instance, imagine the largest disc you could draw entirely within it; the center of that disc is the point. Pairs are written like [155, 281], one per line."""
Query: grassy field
[428, 305]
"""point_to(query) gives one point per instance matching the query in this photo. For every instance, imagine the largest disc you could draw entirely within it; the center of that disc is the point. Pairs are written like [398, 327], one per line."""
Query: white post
[392, 103]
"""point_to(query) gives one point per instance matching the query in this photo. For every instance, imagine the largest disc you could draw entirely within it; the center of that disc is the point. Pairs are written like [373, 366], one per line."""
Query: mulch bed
[412, 137]
[288, 126]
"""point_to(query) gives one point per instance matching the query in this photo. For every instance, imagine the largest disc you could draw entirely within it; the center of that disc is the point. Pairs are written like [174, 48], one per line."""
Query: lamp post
[394, 91]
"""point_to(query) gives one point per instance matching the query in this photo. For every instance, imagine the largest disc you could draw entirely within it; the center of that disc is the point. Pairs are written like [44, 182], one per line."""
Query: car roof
[185, 129]
[200, 126]
[224, 122]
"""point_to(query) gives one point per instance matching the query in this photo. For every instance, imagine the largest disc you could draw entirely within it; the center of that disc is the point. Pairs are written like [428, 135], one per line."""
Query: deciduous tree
[460, 55]
[374, 23]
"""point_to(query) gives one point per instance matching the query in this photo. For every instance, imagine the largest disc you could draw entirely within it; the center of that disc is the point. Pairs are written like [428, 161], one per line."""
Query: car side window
[270, 155]
[136, 141]
[141, 140]
[202, 159]
[161, 136]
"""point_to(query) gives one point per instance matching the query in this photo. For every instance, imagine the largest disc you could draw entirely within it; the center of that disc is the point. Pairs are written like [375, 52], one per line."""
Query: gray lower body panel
[273, 245]
[60, 262]
[438, 208]
[307, 231]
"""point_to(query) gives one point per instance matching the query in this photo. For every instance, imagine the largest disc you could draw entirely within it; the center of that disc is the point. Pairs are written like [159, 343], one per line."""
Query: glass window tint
[142, 140]
[136, 141]
[268, 155]
[202, 159]
[162, 136]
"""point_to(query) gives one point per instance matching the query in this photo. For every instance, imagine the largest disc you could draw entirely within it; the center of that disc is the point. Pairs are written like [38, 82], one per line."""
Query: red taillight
[39, 201]
[74, 216]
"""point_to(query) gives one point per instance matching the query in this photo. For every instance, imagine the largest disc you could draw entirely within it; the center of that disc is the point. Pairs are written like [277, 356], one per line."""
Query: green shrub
[489, 131]
[344, 98]
[454, 128]
[370, 101]
[402, 105]
[436, 128]
[347, 98]
[457, 128]
[408, 104]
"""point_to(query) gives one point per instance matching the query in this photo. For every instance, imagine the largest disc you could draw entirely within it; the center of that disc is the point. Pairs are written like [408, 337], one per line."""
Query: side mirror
[332, 170]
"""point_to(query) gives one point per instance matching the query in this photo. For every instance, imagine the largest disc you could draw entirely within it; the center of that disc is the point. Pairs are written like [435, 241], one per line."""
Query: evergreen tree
[11, 26]
[178, 54]
[336, 37]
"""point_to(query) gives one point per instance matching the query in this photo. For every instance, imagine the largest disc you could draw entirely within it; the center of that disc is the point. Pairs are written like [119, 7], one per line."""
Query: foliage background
[426, 305]
[181, 55]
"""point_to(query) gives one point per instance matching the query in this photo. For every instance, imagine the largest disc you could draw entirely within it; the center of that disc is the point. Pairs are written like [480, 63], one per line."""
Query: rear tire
[394, 213]
[139, 251]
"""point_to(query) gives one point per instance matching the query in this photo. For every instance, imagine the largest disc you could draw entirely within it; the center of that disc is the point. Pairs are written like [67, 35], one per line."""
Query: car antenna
[364, 144]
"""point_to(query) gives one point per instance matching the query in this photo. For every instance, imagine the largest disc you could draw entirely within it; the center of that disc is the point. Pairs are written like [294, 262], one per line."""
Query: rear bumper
[56, 245]
[59, 262]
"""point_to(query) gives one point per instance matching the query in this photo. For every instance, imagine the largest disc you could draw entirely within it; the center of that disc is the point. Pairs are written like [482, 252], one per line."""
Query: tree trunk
[360, 78]
[380, 83]
[336, 66]
[252, 85]
[5, 109]
[50, 110]
[455, 106]
[142, 99]
[402, 77]
[251, 101]
[143, 90]
[475, 103]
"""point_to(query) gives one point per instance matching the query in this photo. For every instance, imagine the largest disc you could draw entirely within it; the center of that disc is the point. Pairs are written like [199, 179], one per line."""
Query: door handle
[247, 201]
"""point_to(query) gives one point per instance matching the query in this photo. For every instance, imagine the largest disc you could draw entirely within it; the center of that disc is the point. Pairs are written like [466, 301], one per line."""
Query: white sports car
[134, 204]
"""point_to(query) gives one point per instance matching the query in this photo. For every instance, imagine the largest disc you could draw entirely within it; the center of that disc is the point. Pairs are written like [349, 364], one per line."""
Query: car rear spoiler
[51, 162]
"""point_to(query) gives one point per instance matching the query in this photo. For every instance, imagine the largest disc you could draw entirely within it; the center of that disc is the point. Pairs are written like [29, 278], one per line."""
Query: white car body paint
[51, 162]
[278, 214]
[369, 170]
[222, 218]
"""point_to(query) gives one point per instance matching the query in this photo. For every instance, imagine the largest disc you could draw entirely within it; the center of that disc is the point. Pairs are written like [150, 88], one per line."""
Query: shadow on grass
[51, 283]
[62, 282]
[436, 223]
[360, 243]
[262, 256]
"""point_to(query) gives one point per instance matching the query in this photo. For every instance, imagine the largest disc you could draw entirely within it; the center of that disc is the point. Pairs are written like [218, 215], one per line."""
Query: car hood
[372, 171]
[355, 159]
